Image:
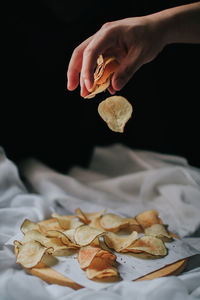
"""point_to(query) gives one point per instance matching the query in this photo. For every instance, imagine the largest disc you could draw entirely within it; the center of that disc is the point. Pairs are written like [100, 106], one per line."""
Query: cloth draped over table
[119, 178]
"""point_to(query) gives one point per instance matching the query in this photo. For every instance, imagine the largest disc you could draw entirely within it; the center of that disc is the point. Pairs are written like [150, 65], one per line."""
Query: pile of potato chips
[95, 237]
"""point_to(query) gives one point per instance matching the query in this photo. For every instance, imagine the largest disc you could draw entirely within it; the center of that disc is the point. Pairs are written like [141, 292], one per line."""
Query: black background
[40, 118]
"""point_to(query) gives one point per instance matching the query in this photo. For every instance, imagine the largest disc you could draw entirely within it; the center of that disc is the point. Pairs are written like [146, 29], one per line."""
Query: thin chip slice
[98, 89]
[53, 242]
[29, 225]
[159, 231]
[110, 66]
[86, 255]
[120, 243]
[110, 272]
[64, 221]
[115, 111]
[134, 225]
[50, 224]
[84, 235]
[149, 244]
[114, 223]
[31, 253]
[148, 218]
[64, 238]
[82, 217]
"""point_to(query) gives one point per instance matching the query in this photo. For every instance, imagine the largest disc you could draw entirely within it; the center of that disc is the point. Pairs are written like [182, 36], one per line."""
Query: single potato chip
[114, 223]
[82, 217]
[148, 244]
[100, 274]
[115, 111]
[120, 243]
[86, 255]
[29, 225]
[64, 221]
[84, 235]
[148, 218]
[160, 231]
[64, 238]
[31, 253]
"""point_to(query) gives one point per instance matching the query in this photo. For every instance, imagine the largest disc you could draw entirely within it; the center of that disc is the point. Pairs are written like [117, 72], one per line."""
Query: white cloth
[120, 178]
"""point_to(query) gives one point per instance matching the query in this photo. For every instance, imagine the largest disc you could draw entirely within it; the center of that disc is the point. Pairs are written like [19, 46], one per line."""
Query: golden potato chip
[29, 225]
[102, 75]
[134, 225]
[86, 255]
[159, 231]
[98, 89]
[50, 242]
[148, 218]
[109, 67]
[64, 221]
[64, 238]
[115, 111]
[148, 244]
[120, 243]
[31, 253]
[50, 224]
[114, 223]
[100, 274]
[80, 214]
[84, 235]
[102, 260]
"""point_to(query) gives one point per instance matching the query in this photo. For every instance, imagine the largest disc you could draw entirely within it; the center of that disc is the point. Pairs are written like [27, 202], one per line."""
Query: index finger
[75, 65]
[98, 45]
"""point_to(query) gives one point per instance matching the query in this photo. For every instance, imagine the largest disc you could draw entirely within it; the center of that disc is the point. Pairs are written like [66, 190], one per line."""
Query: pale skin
[134, 42]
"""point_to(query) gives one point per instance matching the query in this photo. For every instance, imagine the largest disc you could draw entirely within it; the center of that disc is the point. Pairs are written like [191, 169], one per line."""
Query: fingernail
[88, 84]
[119, 83]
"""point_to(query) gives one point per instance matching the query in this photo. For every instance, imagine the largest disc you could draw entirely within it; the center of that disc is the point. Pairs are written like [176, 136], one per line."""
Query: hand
[133, 41]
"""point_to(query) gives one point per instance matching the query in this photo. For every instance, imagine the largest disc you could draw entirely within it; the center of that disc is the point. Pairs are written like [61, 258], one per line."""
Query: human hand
[133, 41]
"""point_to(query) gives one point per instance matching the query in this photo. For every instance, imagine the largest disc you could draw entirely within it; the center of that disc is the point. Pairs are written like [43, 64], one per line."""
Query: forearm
[180, 24]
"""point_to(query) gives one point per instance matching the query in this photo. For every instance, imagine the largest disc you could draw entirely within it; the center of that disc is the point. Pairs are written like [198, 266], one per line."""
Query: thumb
[128, 66]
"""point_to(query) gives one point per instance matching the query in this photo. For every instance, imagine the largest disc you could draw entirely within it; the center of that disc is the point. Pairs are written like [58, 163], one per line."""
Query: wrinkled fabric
[119, 178]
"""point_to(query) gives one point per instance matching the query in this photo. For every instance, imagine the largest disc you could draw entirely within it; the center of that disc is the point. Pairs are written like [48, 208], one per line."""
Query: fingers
[75, 65]
[100, 42]
[126, 70]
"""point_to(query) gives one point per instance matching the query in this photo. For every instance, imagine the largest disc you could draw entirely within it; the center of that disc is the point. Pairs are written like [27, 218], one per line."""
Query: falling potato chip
[85, 234]
[159, 231]
[31, 253]
[120, 243]
[149, 244]
[114, 223]
[29, 225]
[100, 274]
[148, 218]
[115, 111]
[86, 255]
